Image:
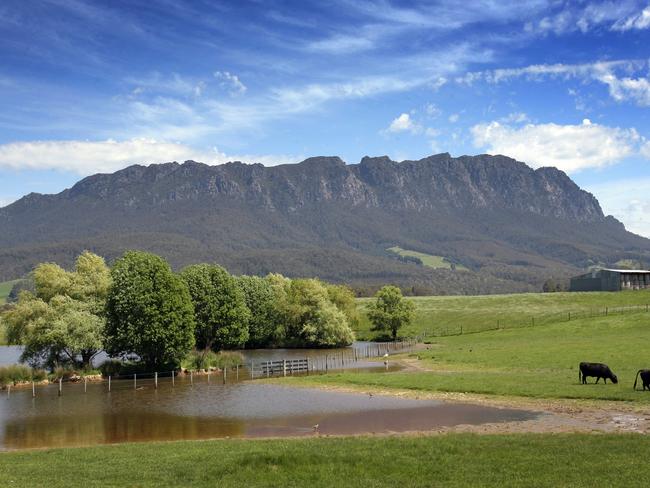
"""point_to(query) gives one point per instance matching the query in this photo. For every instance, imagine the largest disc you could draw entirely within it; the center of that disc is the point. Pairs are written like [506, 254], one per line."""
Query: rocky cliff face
[511, 225]
[430, 184]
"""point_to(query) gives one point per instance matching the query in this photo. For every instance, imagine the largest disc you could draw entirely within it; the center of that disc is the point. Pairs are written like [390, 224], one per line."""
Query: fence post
[237, 372]
[173, 377]
[8, 390]
[155, 380]
[225, 369]
[208, 376]
[135, 381]
[284, 367]
[85, 384]
[60, 385]
[33, 390]
[569, 316]
[191, 379]
[109, 383]
[606, 310]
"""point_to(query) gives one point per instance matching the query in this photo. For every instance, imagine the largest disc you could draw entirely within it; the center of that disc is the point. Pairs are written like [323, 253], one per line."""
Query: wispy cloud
[621, 87]
[636, 21]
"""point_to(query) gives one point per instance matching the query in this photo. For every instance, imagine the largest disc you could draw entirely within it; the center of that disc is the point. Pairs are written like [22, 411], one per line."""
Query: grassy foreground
[443, 315]
[539, 362]
[448, 460]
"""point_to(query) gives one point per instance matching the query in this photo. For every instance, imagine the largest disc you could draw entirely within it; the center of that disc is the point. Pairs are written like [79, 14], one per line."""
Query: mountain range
[496, 224]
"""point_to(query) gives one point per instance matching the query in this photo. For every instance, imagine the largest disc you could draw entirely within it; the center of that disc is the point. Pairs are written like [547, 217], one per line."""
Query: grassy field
[444, 315]
[539, 362]
[449, 460]
[429, 260]
[5, 288]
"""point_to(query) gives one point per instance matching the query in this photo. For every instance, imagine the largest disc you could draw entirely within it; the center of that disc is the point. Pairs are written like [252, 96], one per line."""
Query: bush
[197, 360]
[16, 373]
[115, 367]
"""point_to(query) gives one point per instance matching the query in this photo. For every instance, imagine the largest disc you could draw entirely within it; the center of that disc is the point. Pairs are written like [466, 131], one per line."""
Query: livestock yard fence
[483, 325]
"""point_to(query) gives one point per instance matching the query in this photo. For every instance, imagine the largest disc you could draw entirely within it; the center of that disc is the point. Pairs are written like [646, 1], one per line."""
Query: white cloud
[404, 123]
[568, 147]
[628, 201]
[639, 21]
[453, 118]
[621, 89]
[230, 82]
[432, 110]
[89, 157]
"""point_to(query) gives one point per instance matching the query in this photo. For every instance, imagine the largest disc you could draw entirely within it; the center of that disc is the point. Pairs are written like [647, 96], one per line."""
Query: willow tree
[63, 320]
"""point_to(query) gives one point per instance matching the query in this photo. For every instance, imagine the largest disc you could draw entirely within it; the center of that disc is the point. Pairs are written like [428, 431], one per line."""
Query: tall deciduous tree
[149, 311]
[390, 311]
[220, 309]
[260, 300]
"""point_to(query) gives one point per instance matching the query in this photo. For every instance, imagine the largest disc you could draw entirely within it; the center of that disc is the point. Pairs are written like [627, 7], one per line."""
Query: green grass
[443, 315]
[539, 362]
[429, 260]
[458, 460]
[5, 288]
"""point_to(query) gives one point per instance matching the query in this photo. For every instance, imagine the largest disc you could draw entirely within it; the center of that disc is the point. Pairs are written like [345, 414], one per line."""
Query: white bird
[386, 355]
[315, 427]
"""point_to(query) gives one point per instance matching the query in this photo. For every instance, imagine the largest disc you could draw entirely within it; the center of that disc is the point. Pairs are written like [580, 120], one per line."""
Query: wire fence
[248, 370]
[530, 321]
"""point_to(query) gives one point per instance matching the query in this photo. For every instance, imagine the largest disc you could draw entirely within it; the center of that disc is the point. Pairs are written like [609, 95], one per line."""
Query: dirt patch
[556, 415]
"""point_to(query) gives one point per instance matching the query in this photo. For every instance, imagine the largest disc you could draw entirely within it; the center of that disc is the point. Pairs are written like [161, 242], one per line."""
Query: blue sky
[90, 87]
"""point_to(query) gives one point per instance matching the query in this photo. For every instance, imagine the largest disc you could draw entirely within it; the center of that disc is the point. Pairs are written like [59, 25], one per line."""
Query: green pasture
[537, 362]
[456, 460]
[430, 260]
[444, 315]
[5, 289]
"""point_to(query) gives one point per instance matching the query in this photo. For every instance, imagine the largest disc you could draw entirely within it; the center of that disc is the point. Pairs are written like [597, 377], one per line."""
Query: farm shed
[612, 280]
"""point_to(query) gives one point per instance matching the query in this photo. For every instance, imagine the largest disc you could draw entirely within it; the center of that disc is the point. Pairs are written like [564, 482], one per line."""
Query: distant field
[5, 289]
[445, 315]
[539, 362]
[429, 260]
[457, 460]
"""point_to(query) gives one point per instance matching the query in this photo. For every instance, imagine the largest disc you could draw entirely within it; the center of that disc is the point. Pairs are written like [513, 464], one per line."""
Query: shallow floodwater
[211, 410]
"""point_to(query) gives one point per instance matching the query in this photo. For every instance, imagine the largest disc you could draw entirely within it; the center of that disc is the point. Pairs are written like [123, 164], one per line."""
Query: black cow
[597, 370]
[645, 378]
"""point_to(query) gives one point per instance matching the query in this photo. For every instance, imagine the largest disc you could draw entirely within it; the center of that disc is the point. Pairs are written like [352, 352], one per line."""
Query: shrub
[16, 373]
[197, 360]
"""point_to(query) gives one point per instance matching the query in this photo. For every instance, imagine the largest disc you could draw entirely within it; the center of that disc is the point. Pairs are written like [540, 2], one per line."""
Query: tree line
[140, 309]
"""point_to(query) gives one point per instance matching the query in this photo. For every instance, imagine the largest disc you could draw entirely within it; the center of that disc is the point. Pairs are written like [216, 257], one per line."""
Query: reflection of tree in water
[113, 428]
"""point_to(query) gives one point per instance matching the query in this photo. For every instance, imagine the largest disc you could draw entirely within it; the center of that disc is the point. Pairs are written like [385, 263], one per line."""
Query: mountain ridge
[459, 208]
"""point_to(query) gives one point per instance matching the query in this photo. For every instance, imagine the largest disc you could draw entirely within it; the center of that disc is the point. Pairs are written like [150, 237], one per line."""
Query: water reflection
[205, 410]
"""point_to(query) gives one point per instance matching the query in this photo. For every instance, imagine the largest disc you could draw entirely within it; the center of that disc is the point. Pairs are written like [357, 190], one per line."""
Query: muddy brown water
[211, 410]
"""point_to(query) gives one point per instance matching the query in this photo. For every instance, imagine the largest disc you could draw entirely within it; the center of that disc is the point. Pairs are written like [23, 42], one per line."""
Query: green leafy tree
[149, 311]
[220, 309]
[311, 319]
[260, 300]
[390, 311]
[343, 297]
[63, 320]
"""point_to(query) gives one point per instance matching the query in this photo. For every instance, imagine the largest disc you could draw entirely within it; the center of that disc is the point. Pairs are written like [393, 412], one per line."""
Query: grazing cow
[597, 370]
[645, 378]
